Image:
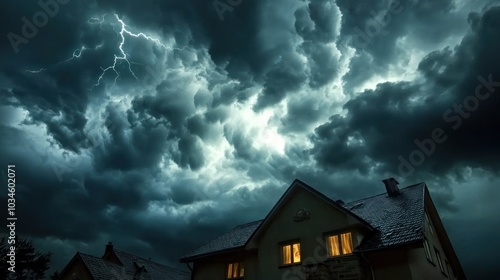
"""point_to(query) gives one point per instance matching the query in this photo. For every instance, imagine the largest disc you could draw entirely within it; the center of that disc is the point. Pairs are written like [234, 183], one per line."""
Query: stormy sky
[159, 125]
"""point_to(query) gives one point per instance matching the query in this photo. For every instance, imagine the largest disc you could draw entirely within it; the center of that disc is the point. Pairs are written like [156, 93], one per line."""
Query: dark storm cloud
[242, 143]
[46, 43]
[82, 205]
[131, 161]
[129, 148]
[333, 148]
[58, 104]
[318, 24]
[376, 29]
[36, 179]
[285, 75]
[301, 113]
[380, 117]
[218, 114]
[172, 107]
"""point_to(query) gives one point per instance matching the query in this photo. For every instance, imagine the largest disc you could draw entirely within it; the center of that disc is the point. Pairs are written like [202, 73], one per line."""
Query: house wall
[390, 264]
[76, 268]
[420, 266]
[323, 218]
[215, 268]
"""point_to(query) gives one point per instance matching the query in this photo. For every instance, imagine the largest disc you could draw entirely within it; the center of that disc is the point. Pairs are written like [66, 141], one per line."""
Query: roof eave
[393, 246]
[210, 254]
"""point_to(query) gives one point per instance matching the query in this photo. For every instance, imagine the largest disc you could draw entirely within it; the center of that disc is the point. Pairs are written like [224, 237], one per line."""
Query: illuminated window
[427, 250]
[235, 270]
[290, 253]
[340, 244]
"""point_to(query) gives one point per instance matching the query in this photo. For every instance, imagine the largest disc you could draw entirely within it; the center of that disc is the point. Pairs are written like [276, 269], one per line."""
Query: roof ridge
[89, 255]
[246, 224]
[368, 197]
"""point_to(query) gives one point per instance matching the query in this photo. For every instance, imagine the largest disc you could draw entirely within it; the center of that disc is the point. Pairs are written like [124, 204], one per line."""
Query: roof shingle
[150, 269]
[237, 237]
[397, 219]
[99, 268]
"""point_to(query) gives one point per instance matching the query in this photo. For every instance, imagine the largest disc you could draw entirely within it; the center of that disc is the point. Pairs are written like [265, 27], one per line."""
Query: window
[429, 224]
[235, 270]
[438, 257]
[427, 250]
[340, 244]
[290, 253]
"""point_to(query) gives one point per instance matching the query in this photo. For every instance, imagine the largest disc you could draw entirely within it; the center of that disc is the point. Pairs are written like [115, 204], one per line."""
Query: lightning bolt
[76, 54]
[35, 71]
[121, 57]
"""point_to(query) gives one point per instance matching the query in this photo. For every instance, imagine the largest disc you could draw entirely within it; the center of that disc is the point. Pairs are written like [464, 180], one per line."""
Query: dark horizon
[158, 125]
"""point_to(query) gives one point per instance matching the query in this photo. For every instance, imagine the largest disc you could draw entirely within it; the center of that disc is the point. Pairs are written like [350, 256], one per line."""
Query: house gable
[76, 269]
[301, 216]
[301, 199]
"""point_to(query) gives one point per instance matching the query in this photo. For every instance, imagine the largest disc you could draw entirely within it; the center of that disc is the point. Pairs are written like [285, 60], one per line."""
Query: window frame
[429, 223]
[240, 264]
[339, 237]
[439, 260]
[427, 250]
[290, 243]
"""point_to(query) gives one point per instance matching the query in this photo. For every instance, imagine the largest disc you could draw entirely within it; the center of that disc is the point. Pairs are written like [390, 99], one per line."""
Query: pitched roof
[235, 238]
[134, 267]
[397, 220]
[99, 268]
[150, 270]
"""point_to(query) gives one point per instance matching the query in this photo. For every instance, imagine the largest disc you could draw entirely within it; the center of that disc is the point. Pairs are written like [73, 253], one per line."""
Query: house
[394, 235]
[118, 265]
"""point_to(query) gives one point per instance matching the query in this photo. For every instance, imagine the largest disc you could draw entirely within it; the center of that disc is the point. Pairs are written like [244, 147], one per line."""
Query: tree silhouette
[30, 264]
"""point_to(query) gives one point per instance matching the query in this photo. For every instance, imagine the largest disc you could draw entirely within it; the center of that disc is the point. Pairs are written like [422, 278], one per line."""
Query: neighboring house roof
[99, 268]
[151, 270]
[397, 220]
[132, 267]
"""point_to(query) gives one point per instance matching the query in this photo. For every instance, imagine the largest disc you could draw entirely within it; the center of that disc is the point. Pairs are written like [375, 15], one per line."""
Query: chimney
[391, 185]
[109, 248]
